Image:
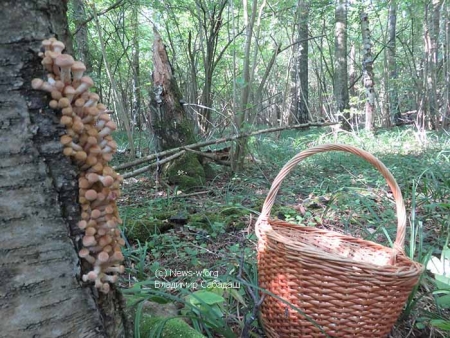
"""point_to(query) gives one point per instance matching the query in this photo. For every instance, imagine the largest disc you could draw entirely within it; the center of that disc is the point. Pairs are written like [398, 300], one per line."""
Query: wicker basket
[341, 286]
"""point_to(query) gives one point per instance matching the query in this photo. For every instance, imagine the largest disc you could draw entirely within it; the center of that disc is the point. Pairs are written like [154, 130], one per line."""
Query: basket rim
[262, 225]
[408, 268]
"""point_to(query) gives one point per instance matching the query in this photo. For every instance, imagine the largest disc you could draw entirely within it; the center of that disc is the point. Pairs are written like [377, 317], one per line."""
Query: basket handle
[262, 225]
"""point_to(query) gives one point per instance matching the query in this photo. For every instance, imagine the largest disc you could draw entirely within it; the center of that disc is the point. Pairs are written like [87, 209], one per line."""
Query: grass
[335, 190]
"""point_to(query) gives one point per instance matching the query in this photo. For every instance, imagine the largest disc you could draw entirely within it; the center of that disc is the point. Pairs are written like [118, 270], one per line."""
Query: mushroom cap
[96, 213]
[58, 45]
[101, 107]
[90, 231]
[46, 43]
[53, 55]
[89, 241]
[66, 120]
[111, 125]
[94, 97]
[107, 181]
[79, 102]
[92, 111]
[47, 60]
[66, 140]
[56, 94]
[84, 183]
[87, 80]
[63, 102]
[36, 83]
[78, 66]
[90, 195]
[82, 225]
[83, 253]
[80, 156]
[64, 61]
[103, 257]
[69, 90]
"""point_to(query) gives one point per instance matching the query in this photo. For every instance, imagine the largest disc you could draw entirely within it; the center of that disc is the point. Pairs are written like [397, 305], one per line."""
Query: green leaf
[444, 301]
[441, 324]
[204, 296]
[442, 282]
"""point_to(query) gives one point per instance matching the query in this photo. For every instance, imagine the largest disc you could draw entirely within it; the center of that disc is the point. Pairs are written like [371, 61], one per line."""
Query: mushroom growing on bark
[89, 143]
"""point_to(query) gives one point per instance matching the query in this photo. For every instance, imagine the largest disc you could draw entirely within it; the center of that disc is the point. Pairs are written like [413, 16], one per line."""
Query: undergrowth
[203, 245]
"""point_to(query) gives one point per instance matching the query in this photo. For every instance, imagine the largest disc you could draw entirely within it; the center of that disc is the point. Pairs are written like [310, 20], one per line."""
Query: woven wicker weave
[343, 286]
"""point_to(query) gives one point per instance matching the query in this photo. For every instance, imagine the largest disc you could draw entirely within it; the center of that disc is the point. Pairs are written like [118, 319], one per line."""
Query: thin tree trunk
[394, 111]
[41, 294]
[136, 83]
[118, 103]
[446, 114]
[368, 76]
[340, 67]
[433, 63]
[238, 153]
[299, 79]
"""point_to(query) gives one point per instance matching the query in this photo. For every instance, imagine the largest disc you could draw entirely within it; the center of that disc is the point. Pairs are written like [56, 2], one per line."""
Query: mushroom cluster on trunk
[89, 143]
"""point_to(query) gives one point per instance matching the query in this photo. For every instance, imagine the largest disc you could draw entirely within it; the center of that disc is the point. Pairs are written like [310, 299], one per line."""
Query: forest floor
[189, 247]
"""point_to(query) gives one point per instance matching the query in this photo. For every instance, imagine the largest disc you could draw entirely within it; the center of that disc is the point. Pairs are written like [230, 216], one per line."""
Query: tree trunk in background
[299, 79]
[446, 114]
[432, 58]
[122, 116]
[40, 291]
[368, 76]
[81, 37]
[238, 153]
[136, 83]
[353, 80]
[170, 123]
[393, 108]
[340, 67]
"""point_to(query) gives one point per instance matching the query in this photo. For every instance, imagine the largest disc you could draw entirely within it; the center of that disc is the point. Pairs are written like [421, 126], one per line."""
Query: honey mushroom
[89, 143]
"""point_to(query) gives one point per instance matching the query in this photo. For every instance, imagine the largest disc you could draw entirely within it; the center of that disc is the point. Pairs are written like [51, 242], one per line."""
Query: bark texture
[300, 71]
[40, 292]
[81, 36]
[367, 66]
[170, 123]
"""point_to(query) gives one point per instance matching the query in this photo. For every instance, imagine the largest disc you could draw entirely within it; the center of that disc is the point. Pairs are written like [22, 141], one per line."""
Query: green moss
[229, 217]
[173, 328]
[141, 224]
[210, 173]
[142, 230]
[186, 172]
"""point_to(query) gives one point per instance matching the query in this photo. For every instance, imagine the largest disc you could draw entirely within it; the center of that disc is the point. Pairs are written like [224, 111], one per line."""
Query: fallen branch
[146, 168]
[210, 156]
[217, 141]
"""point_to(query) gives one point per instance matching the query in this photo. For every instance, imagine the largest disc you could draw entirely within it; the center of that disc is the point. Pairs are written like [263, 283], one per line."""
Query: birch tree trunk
[40, 290]
[340, 67]
[394, 111]
[368, 76]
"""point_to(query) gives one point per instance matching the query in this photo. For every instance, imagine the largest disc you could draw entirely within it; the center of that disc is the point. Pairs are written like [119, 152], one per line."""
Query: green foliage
[332, 190]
